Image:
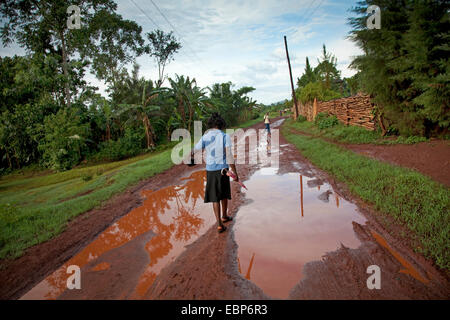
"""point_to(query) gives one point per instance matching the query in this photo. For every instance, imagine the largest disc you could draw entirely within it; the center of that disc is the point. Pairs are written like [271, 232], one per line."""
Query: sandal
[221, 229]
[226, 219]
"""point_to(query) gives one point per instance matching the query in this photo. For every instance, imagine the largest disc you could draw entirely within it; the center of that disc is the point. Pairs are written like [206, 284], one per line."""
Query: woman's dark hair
[216, 121]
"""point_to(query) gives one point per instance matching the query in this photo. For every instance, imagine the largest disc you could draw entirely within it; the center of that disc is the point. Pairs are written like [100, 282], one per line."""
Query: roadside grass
[416, 201]
[35, 210]
[249, 123]
[352, 134]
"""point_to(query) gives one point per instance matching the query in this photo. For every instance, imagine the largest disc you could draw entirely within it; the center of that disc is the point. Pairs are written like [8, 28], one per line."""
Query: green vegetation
[329, 127]
[33, 210]
[416, 201]
[323, 121]
[323, 82]
[50, 116]
[249, 123]
[405, 65]
[274, 108]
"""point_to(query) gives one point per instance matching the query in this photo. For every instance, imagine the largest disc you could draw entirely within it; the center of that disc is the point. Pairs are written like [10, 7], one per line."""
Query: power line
[307, 14]
[307, 10]
[175, 30]
[320, 4]
[158, 27]
[151, 20]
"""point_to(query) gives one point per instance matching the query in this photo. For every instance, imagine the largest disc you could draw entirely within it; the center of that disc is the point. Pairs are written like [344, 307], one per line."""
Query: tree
[29, 91]
[163, 47]
[309, 75]
[326, 69]
[180, 91]
[41, 27]
[142, 111]
[64, 140]
[119, 43]
[231, 103]
[317, 90]
[405, 64]
[353, 84]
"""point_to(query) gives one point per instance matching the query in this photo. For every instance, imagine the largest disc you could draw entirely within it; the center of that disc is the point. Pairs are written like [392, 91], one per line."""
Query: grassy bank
[416, 201]
[352, 134]
[33, 210]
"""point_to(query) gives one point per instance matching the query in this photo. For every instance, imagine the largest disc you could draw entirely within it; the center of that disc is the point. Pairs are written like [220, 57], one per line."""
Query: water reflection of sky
[271, 228]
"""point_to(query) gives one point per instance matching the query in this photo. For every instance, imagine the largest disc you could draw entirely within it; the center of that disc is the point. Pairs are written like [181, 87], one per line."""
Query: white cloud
[242, 41]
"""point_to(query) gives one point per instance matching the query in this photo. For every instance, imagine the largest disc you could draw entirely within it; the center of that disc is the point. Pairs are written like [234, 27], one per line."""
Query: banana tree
[142, 112]
[197, 104]
[189, 98]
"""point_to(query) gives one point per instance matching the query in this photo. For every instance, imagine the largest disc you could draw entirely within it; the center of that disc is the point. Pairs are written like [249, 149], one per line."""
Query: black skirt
[217, 186]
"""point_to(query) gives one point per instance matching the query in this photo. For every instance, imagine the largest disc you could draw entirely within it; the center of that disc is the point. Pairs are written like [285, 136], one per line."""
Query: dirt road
[431, 158]
[297, 234]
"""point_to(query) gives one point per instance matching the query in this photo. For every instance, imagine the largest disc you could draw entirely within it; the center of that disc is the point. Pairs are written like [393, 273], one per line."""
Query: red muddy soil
[430, 158]
[124, 256]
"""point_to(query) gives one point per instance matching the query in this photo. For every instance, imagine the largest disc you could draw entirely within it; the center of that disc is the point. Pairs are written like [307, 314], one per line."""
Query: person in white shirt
[218, 157]
[267, 122]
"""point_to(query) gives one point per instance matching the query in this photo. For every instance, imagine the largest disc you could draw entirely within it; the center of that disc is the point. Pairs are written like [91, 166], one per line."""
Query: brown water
[408, 267]
[286, 225]
[168, 220]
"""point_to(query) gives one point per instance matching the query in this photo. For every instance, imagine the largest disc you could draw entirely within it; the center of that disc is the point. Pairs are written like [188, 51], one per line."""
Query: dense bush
[405, 65]
[127, 146]
[316, 90]
[63, 144]
[323, 121]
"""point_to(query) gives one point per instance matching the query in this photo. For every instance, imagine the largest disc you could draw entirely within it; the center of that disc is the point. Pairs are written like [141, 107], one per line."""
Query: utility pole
[292, 82]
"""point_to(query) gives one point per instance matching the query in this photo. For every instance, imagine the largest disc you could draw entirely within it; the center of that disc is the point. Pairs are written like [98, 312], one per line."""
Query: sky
[242, 41]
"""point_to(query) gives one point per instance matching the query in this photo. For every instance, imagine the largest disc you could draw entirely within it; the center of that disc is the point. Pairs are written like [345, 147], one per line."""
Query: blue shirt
[214, 141]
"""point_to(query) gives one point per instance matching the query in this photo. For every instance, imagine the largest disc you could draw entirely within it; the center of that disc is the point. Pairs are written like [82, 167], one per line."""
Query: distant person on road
[267, 122]
[218, 157]
[281, 113]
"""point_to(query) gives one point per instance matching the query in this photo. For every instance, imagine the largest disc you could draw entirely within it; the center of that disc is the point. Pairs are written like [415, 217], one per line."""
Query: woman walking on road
[218, 157]
[267, 122]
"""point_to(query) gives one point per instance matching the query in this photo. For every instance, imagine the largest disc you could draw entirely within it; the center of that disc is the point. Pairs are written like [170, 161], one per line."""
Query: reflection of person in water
[218, 156]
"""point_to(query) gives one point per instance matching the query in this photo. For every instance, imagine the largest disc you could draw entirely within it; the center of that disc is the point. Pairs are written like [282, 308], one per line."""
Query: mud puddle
[123, 261]
[291, 219]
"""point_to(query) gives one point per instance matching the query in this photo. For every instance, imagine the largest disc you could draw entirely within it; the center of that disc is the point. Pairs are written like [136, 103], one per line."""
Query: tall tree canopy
[405, 65]
[41, 27]
[327, 70]
[162, 48]
[309, 75]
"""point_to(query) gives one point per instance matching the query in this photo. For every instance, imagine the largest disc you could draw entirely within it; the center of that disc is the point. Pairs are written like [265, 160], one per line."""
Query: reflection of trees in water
[184, 225]
[187, 223]
[179, 221]
[250, 266]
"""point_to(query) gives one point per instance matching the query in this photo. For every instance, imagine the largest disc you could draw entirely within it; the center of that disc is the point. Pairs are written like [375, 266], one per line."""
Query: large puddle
[291, 220]
[131, 252]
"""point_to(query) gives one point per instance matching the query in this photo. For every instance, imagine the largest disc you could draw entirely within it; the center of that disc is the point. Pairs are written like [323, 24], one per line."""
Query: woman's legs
[216, 207]
[224, 207]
